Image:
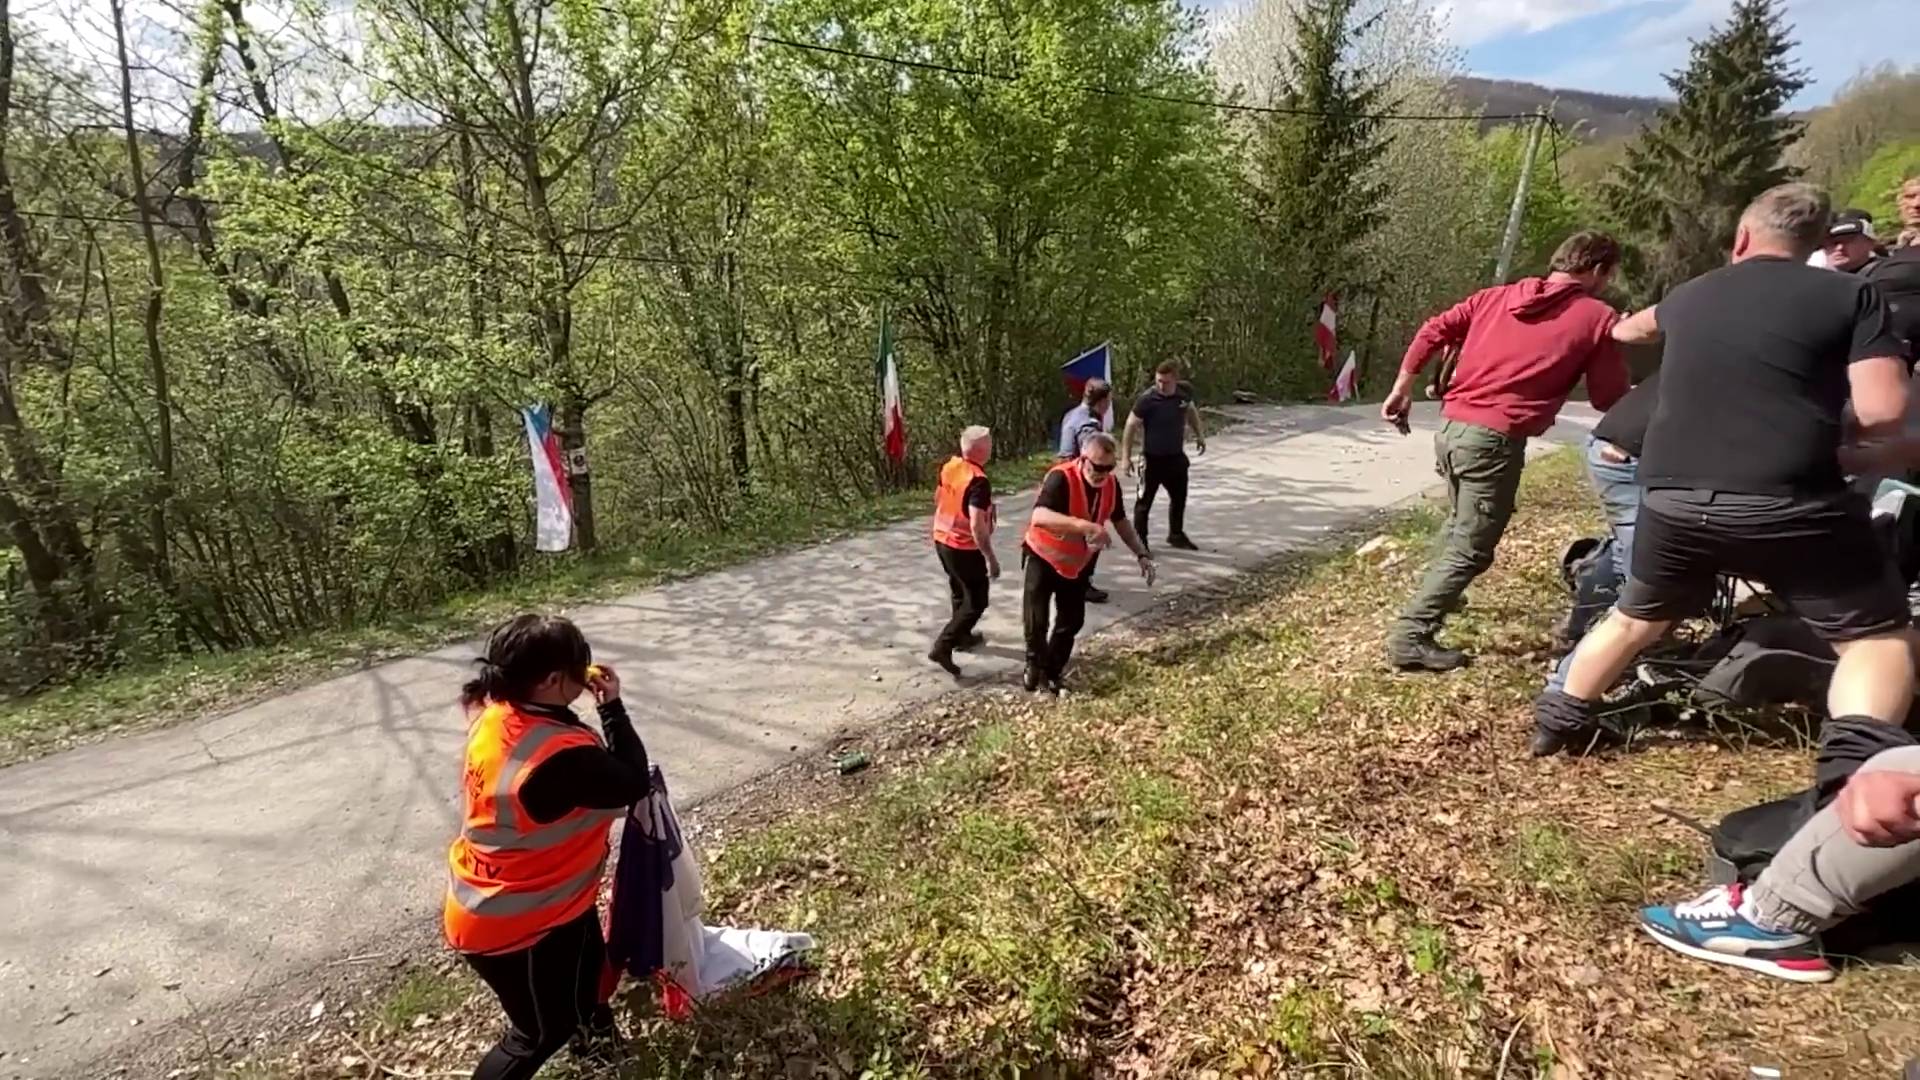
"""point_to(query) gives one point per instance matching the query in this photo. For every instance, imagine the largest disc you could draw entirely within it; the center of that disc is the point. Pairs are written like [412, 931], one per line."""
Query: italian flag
[893, 422]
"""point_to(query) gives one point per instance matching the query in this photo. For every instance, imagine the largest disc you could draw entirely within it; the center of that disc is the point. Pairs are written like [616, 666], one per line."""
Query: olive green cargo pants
[1482, 469]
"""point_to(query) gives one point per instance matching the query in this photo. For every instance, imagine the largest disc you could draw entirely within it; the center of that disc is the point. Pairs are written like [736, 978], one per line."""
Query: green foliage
[673, 231]
[1685, 180]
[1879, 179]
[1873, 110]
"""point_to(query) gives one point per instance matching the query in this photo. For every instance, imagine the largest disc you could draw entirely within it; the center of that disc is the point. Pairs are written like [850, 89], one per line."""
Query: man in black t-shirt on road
[1741, 468]
[1160, 419]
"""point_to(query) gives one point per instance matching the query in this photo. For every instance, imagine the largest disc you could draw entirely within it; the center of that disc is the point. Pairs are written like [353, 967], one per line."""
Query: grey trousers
[1822, 877]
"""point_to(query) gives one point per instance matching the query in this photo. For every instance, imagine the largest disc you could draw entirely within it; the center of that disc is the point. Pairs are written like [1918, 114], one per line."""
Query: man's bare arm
[1878, 395]
[1132, 539]
[982, 523]
[1126, 440]
[1055, 521]
[1199, 432]
[1640, 328]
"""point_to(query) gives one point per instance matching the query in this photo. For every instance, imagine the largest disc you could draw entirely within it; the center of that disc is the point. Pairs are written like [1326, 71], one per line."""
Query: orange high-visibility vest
[951, 524]
[1070, 554]
[512, 879]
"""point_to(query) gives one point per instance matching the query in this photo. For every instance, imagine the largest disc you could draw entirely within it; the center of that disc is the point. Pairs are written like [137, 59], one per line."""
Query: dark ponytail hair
[521, 653]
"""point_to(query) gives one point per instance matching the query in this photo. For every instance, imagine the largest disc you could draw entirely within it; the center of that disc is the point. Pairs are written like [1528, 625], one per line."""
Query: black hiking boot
[1422, 654]
[944, 658]
[1097, 596]
[1032, 679]
[1181, 541]
[973, 641]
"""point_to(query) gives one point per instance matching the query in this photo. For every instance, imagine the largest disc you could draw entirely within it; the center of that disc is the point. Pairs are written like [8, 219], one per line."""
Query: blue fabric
[1619, 489]
[648, 845]
[1073, 427]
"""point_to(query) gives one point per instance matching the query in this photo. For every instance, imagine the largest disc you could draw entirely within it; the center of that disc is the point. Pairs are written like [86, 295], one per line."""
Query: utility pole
[1443, 371]
[1518, 212]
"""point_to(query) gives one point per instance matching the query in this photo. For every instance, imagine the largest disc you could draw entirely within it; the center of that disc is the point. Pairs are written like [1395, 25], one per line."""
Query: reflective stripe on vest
[511, 879]
[1069, 554]
[952, 524]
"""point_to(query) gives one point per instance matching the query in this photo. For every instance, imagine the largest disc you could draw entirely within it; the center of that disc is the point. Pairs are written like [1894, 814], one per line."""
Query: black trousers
[1043, 591]
[1163, 471]
[550, 991]
[967, 581]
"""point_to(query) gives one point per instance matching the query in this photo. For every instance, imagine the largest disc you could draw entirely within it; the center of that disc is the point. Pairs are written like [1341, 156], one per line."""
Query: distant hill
[1590, 117]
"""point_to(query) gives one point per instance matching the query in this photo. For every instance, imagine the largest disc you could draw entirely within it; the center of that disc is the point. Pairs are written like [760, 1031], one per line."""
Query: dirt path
[158, 874]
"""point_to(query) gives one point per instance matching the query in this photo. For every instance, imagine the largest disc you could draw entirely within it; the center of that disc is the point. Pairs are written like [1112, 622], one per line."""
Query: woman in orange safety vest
[540, 792]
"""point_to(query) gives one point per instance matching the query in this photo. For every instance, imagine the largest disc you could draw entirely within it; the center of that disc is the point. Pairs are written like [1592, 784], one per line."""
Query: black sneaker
[1097, 596]
[1179, 540]
[1031, 679]
[944, 658]
[972, 642]
[1424, 655]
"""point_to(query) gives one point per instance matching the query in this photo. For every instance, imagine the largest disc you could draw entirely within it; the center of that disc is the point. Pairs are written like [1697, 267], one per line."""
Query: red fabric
[1324, 332]
[1523, 348]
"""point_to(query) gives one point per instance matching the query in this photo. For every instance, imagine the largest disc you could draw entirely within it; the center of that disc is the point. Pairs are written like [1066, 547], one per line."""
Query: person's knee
[1069, 623]
[1898, 759]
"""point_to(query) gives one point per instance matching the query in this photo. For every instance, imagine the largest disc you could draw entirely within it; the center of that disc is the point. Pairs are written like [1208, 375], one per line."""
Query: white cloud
[1471, 22]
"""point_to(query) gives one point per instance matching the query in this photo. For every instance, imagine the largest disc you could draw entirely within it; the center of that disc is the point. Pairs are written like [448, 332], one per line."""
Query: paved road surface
[235, 851]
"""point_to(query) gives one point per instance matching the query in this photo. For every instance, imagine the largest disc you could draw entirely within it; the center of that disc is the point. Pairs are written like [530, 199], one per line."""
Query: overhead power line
[1146, 95]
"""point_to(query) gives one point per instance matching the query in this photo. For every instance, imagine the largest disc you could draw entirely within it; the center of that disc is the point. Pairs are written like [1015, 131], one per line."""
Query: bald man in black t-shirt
[1742, 474]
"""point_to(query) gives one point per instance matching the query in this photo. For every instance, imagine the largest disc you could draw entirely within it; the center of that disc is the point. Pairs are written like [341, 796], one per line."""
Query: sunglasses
[1098, 469]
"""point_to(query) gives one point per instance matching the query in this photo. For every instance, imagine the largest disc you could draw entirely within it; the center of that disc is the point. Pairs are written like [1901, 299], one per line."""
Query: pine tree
[1316, 191]
[1696, 165]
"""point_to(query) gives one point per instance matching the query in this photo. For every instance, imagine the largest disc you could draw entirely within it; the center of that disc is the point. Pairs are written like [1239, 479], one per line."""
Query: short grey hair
[1100, 439]
[972, 436]
[1797, 215]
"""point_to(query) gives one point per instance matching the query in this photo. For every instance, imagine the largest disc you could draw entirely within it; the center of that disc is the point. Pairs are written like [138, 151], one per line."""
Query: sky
[1625, 46]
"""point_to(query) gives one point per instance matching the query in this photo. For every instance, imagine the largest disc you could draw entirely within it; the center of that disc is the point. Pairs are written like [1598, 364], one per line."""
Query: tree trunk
[573, 436]
[163, 453]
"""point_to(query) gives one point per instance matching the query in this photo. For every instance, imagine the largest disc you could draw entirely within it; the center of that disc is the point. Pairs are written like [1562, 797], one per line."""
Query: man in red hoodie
[1523, 348]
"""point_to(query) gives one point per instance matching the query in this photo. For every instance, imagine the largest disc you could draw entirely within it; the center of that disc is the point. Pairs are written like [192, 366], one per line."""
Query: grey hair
[971, 437]
[1794, 214]
[1101, 439]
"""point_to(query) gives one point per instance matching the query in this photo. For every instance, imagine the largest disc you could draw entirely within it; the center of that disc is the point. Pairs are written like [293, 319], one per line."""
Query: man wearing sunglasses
[1075, 506]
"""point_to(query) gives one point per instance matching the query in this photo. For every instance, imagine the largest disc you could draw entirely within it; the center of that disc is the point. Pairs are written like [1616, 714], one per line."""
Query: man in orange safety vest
[1071, 514]
[963, 520]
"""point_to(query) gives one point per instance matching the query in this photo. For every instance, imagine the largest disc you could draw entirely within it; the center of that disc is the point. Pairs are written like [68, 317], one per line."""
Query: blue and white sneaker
[1712, 927]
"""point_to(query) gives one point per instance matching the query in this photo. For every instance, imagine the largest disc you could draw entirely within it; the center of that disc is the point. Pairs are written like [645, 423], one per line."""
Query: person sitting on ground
[1741, 472]
[1091, 417]
[540, 791]
[1859, 847]
[1523, 349]
[963, 519]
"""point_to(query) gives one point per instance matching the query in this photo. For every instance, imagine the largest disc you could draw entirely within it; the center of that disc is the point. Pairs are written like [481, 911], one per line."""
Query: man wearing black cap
[1851, 247]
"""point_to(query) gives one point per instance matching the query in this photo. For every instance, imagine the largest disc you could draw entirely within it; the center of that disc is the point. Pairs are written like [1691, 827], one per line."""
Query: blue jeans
[1618, 485]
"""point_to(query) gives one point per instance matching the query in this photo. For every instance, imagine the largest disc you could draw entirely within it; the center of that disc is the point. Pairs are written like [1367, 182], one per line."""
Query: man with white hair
[1741, 470]
[963, 520]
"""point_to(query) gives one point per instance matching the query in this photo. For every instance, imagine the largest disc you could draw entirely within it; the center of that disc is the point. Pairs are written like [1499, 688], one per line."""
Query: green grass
[421, 992]
[184, 689]
[1244, 848]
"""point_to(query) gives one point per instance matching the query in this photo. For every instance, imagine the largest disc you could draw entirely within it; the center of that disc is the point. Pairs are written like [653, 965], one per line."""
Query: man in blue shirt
[1087, 418]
